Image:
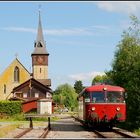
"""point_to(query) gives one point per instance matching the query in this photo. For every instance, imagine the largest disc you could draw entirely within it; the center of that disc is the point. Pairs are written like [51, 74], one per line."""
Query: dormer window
[36, 95]
[16, 74]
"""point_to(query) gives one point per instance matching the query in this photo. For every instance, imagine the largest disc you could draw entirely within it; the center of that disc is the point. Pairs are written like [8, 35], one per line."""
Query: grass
[17, 117]
[6, 129]
[137, 132]
[21, 117]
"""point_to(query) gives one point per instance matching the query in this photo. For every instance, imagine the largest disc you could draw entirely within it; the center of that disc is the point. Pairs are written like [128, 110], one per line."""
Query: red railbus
[102, 105]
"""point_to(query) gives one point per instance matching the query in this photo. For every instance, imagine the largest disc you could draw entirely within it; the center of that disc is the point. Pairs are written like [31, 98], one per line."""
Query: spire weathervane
[39, 8]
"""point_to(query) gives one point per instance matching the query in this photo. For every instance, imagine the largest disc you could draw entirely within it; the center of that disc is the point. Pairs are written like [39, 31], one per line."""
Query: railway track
[124, 133]
[44, 134]
[98, 133]
[23, 132]
[114, 133]
[29, 130]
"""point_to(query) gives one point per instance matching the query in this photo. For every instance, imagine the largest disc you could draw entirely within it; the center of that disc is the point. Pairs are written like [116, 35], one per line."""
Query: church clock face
[40, 60]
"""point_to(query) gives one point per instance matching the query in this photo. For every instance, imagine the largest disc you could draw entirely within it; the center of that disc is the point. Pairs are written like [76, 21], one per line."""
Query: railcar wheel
[86, 124]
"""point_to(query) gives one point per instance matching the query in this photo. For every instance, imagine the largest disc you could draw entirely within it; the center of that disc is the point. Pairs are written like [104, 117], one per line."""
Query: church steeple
[40, 46]
[40, 55]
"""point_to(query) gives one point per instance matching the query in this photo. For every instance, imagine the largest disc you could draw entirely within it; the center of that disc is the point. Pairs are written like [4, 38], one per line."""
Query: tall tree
[126, 70]
[65, 94]
[101, 79]
[78, 86]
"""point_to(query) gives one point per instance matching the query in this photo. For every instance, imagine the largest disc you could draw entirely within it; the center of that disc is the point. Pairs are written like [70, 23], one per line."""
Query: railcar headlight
[118, 108]
[104, 88]
[93, 108]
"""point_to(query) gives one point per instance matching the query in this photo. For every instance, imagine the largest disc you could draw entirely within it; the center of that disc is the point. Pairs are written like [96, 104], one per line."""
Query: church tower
[40, 56]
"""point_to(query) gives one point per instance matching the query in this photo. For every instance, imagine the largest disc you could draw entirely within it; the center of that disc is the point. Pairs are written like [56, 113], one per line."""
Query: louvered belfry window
[16, 74]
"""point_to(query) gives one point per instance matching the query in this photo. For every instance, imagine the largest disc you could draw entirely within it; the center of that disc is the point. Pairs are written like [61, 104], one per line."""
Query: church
[17, 83]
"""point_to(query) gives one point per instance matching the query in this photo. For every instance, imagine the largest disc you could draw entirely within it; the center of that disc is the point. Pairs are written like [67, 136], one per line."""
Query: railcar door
[80, 108]
[86, 104]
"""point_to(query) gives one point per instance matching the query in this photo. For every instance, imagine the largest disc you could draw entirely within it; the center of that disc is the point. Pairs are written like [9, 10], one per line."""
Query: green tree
[65, 94]
[78, 86]
[101, 79]
[126, 70]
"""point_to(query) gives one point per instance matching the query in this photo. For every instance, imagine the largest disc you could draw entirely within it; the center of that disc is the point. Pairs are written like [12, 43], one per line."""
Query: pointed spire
[40, 46]
[40, 32]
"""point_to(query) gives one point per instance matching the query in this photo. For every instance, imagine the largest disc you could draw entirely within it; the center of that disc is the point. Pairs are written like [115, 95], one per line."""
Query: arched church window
[4, 89]
[16, 74]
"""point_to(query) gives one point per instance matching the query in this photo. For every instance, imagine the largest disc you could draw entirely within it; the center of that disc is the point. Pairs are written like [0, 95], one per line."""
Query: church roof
[46, 82]
[15, 60]
[40, 45]
[21, 64]
[31, 82]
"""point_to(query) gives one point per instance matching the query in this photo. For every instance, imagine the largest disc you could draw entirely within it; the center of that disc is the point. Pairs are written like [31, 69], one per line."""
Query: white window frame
[36, 95]
[24, 95]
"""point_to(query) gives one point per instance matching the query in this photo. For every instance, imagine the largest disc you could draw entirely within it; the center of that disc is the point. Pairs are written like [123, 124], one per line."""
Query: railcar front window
[115, 97]
[98, 97]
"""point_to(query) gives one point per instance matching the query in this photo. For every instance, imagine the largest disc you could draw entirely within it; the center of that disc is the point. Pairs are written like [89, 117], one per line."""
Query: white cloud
[85, 76]
[19, 29]
[127, 7]
[91, 30]
[73, 31]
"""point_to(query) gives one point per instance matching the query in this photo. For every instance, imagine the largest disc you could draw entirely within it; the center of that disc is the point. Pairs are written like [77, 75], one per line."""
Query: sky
[81, 37]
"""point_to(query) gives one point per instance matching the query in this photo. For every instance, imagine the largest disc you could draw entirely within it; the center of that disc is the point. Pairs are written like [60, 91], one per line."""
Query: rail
[123, 133]
[119, 131]
[44, 134]
[30, 116]
[23, 133]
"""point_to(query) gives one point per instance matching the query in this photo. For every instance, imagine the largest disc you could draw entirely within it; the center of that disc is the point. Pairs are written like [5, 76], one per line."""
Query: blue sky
[81, 37]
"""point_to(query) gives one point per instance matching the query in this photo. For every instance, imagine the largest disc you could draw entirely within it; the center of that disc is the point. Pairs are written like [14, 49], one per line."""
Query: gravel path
[67, 128]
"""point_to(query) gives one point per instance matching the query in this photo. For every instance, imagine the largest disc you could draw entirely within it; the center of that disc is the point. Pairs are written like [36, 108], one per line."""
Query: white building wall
[44, 106]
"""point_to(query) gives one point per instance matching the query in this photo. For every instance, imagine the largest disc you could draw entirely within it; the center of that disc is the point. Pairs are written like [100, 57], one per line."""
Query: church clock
[40, 59]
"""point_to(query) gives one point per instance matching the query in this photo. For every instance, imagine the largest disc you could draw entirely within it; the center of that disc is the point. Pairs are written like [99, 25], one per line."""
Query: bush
[10, 107]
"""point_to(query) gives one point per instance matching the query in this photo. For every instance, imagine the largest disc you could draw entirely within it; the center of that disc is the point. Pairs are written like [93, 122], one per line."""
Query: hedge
[10, 107]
